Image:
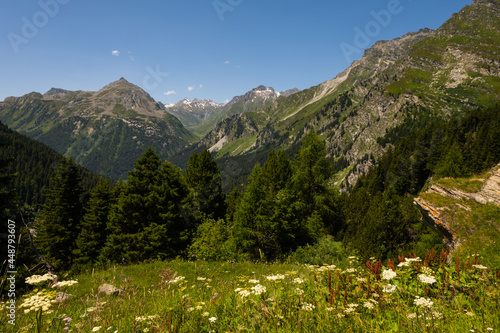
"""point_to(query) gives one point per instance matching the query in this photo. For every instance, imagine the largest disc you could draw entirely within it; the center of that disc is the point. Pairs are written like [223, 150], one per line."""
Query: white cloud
[170, 92]
[226, 62]
[116, 53]
[191, 88]
[201, 86]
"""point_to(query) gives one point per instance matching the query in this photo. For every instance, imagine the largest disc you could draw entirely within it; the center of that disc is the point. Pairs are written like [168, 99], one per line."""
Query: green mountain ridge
[105, 131]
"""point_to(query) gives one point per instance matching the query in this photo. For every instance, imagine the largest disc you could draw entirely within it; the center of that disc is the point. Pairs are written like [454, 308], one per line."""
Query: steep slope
[421, 74]
[33, 163]
[105, 131]
[466, 212]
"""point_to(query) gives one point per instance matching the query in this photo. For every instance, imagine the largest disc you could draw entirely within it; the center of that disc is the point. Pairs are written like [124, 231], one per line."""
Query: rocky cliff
[466, 220]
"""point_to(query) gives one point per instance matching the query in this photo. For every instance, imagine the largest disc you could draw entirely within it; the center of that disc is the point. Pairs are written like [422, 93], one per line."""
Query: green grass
[182, 296]
[468, 184]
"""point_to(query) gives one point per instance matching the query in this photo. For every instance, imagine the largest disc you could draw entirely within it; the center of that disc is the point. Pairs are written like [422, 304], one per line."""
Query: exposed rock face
[61, 297]
[489, 193]
[109, 289]
[432, 215]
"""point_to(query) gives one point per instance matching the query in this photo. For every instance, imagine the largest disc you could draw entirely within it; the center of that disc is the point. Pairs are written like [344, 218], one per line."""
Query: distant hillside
[33, 163]
[105, 131]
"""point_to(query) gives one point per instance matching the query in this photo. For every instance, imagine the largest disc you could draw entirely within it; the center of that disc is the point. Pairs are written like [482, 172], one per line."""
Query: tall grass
[413, 296]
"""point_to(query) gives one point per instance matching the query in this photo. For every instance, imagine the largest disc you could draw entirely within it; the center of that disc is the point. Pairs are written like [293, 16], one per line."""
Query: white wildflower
[423, 302]
[389, 289]
[428, 279]
[479, 266]
[258, 289]
[308, 307]
[388, 274]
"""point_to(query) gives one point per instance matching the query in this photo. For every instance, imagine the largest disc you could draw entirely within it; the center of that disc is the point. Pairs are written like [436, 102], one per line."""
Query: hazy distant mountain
[201, 116]
[105, 131]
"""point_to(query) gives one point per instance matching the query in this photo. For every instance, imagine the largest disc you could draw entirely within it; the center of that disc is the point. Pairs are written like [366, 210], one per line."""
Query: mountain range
[397, 84]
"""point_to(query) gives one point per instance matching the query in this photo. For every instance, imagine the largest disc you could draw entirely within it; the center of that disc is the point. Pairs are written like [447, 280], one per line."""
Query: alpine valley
[367, 203]
[397, 85]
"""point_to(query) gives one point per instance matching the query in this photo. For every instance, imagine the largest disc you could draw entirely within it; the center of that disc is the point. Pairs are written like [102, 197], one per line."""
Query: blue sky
[196, 48]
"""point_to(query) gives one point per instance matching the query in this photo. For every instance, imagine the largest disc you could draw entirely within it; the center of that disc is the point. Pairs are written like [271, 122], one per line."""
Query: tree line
[161, 212]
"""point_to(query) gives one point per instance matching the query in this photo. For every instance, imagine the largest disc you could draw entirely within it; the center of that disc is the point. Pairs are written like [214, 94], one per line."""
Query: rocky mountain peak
[56, 91]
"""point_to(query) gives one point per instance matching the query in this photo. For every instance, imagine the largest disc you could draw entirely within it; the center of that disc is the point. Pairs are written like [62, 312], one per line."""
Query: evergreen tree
[147, 219]
[311, 172]
[93, 227]
[6, 200]
[203, 176]
[59, 223]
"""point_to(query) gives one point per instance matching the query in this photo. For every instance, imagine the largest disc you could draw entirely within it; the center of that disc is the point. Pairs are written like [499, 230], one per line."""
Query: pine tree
[93, 227]
[203, 177]
[59, 223]
[147, 219]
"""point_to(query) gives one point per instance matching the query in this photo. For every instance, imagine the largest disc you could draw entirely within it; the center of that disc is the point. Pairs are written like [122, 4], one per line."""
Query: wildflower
[190, 309]
[39, 301]
[404, 264]
[479, 266]
[388, 274]
[258, 289]
[299, 291]
[177, 279]
[36, 279]
[145, 330]
[275, 277]
[205, 314]
[360, 279]
[423, 302]
[254, 281]
[97, 328]
[329, 309]
[298, 281]
[437, 315]
[327, 268]
[308, 307]
[389, 289]
[352, 257]
[212, 319]
[61, 284]
[470, 314]
[199, 307]
[368, 305]
[199, 278]
[411, 316]
[244, 293]
[428, 279]
[351, 270]
[340, 315]
[489, 329]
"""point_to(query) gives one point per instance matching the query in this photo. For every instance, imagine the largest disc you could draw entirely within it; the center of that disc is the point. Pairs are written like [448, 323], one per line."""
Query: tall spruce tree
[59, 223]
[147, 219]
[203, 176]
[93, 227]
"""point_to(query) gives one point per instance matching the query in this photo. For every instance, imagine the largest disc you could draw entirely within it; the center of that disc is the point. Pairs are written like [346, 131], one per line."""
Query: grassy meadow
[409, 295]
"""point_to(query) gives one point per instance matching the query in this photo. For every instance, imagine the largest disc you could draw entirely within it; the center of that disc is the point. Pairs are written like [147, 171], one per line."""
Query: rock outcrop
[433, 215]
